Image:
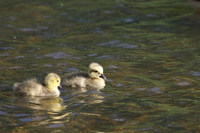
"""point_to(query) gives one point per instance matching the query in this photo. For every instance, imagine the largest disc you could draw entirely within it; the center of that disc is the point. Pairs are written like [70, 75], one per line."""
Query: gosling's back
[75, 80]
[29, 87]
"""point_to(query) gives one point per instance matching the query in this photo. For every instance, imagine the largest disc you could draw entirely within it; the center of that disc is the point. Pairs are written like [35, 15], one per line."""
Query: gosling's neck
[53, 91]
[50, 87]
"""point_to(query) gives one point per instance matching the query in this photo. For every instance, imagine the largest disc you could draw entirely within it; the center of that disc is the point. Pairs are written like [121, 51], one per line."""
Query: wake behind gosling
[94, 78]
[34, 88]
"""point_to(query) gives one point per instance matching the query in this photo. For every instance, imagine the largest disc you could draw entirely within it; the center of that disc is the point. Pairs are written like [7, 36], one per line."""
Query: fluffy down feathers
[35, 88]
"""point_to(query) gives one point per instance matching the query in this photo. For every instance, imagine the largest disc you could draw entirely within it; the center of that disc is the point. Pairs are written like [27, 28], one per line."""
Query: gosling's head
[96, 71]
[52, 81]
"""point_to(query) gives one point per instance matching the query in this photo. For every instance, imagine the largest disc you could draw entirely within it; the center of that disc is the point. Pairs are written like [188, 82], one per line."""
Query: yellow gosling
[34, 88]
[94, 78]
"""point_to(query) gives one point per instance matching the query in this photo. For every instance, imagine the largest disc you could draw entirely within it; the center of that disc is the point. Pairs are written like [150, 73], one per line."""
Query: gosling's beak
[60, 87]
[102, 76]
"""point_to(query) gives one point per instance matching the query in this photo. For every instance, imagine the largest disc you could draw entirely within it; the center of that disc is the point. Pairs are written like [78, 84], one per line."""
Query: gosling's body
[94, 78]
[34, 88]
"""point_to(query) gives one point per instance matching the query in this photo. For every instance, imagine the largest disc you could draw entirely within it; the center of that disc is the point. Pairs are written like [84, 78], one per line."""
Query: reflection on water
[40, 103]
[89, 97]
[150, 54]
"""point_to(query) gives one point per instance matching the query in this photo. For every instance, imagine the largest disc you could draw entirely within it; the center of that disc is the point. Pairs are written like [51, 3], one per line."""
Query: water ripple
[116, 43]
[61, 55]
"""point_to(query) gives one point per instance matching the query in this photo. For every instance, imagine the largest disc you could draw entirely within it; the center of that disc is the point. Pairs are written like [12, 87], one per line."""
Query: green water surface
[150, 51]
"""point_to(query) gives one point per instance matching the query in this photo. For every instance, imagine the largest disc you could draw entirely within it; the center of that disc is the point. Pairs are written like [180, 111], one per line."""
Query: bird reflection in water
[53, 104]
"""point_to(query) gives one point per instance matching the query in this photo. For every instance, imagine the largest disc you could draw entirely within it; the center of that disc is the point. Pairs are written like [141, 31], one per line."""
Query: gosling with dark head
[34, 88]
[94, 78]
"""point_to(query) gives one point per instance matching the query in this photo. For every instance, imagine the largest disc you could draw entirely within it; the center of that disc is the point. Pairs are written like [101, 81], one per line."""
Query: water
[149, 51]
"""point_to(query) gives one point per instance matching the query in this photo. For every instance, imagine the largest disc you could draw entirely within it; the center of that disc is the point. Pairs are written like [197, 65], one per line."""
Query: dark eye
[57, 80]
[95, 71]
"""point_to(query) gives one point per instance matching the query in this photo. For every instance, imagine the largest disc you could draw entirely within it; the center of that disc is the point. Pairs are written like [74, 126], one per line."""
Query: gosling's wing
[29, 87]
[74, 75]
[75, 80]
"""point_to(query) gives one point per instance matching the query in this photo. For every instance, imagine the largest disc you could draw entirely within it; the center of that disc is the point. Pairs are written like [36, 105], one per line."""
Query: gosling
[94, 78]
[34, 88]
